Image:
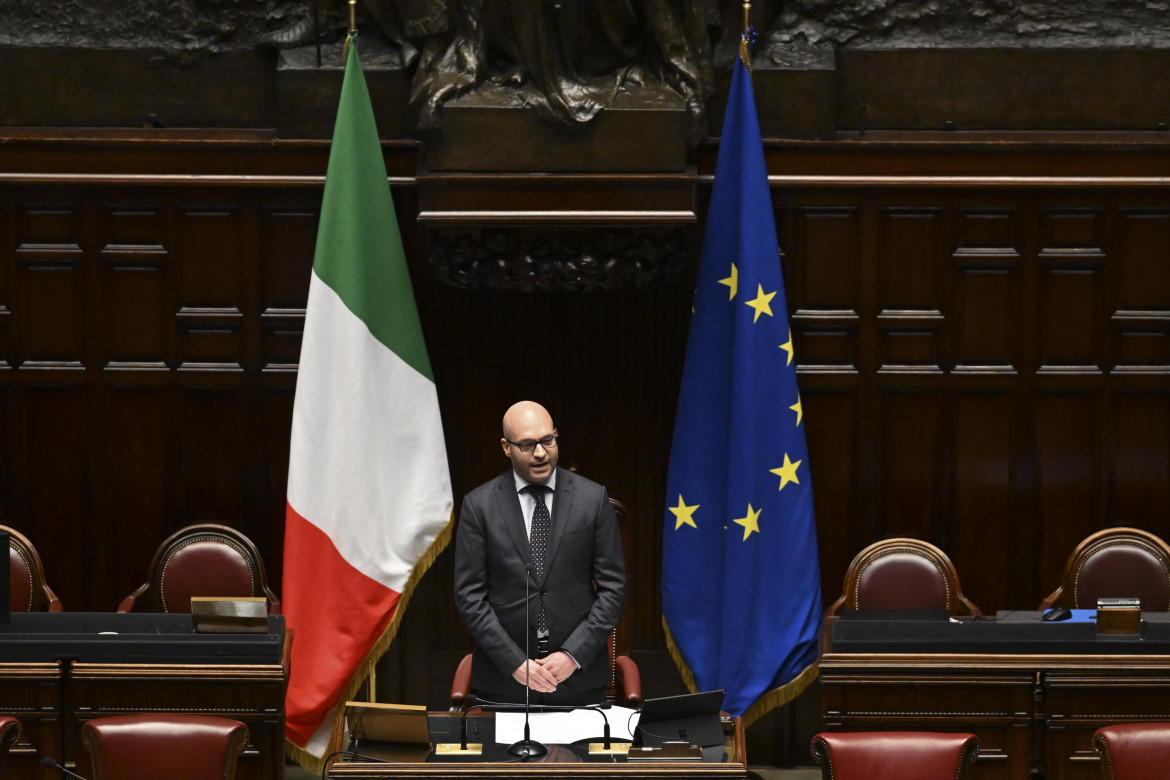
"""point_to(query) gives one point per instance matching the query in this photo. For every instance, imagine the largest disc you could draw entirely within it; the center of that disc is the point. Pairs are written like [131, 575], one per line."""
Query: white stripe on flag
[368, 465]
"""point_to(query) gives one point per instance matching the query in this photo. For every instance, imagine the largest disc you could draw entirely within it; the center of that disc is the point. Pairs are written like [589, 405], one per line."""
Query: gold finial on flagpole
[744, 54]
[352, 28]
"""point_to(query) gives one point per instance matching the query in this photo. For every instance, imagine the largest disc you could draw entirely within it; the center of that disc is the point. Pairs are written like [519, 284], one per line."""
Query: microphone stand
[527, 748]
[52, 764]
[606, 747]
[463, 748]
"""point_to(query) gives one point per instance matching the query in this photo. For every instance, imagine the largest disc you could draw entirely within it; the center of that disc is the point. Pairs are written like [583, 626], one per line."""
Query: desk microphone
[462, 749]
[52, 764]
[526, 748]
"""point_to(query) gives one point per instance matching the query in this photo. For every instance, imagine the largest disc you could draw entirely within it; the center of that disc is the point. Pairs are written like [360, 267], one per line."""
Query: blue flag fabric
[741, 596]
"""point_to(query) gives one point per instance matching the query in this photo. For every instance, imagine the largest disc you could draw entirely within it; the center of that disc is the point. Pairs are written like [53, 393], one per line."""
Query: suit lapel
[562, 512]
[509, 506]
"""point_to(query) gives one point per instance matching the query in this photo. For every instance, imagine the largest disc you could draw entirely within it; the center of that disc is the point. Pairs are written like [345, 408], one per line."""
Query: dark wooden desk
[560, 763]
[1032, 711]
[162, 669]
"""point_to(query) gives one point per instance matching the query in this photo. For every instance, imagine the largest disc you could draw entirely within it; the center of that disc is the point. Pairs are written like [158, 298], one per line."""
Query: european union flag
[741, 596]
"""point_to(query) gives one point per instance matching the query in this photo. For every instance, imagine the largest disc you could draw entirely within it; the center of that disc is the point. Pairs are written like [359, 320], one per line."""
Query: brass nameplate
[1119, 616]
[614, 749]
[457, 749]
[217, 615]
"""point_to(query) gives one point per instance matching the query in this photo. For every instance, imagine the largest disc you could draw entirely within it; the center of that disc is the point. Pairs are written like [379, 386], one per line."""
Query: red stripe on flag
[337, 614]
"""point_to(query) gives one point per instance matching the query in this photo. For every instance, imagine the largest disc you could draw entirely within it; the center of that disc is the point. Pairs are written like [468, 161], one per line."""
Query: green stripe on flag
[359, 249]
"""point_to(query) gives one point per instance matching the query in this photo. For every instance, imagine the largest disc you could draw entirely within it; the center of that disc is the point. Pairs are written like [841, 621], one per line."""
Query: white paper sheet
[564, 728]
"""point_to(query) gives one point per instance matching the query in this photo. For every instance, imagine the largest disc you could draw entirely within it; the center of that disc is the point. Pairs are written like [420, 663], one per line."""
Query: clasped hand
[544, 673]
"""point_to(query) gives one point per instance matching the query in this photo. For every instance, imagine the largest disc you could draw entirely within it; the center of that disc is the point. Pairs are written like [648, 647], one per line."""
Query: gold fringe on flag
[303, 757]
[766, 703]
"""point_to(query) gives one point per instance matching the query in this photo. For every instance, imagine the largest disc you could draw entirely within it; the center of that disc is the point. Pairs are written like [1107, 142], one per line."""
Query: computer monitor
[691, 717]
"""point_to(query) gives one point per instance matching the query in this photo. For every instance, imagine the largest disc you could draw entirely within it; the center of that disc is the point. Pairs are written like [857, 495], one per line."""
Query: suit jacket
[583, 589]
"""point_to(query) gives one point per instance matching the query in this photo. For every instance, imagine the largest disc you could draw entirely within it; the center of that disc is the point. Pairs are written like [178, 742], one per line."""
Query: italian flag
[369, 492]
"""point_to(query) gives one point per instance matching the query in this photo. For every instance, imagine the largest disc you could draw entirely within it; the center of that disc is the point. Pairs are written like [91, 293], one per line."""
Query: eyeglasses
[548, 442]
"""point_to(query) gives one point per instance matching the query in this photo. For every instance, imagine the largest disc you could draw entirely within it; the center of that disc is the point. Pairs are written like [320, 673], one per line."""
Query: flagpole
[743, 39]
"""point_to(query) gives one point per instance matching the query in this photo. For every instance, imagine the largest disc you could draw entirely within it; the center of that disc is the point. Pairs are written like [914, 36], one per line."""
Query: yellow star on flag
[787, 472]
[787, 347]
[796, 407]
[760, 302]
[750, 523]
[684, 515]
[732, 282]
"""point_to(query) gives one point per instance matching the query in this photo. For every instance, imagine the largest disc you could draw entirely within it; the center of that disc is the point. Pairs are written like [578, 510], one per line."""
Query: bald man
[554, 533]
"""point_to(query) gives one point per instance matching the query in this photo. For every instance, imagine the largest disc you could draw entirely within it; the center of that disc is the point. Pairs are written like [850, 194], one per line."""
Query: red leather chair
[894, 755]
[1133, 751]
[28, 590]
[163, 747]
[903, 574]
[625, 681]
[9, 733]
[1115, 563]
[202, 560]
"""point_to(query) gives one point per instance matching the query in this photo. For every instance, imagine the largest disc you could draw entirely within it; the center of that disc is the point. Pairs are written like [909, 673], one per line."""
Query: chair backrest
[163, 747]
[28, 591]
[1133, 751]
[894, 755]
[903, 574]
[202, 560]
[9, 733]
[1116, 563]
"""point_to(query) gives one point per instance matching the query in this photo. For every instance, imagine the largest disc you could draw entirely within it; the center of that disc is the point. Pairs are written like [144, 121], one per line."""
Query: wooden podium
[81, 666]
[562, 761]
[1033, 693]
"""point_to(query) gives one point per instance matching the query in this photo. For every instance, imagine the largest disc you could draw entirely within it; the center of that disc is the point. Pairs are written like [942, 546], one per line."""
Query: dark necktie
[538, 538]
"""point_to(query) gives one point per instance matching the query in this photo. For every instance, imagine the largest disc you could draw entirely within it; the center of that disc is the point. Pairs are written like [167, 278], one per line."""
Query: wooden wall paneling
[50, 287]
[138, 500]
[6, 273]
[989, 331]
[135, 292]
[1139, 290]
[913, 469]
[212, 456]
[833, 454]
[1070, 308]
[984, 516]
[56, 451]
[910, 289]
[210, 286]
[1138, 459]
[1069, 461]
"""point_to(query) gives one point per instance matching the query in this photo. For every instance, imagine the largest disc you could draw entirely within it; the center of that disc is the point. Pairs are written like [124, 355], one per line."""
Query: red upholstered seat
[202, 560]
[28, 590]
[1133, 751]
[903, 574]
[9, 733]
[1115, 563]
[894, 755]
[163, 747]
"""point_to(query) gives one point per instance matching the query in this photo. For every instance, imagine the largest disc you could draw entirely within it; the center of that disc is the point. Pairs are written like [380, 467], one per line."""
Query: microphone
[605, 748]
[526, 748]
[462, 748]
[52, 764]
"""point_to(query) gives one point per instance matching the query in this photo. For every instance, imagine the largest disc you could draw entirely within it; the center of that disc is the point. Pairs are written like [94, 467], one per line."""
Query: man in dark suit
[571, 568]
